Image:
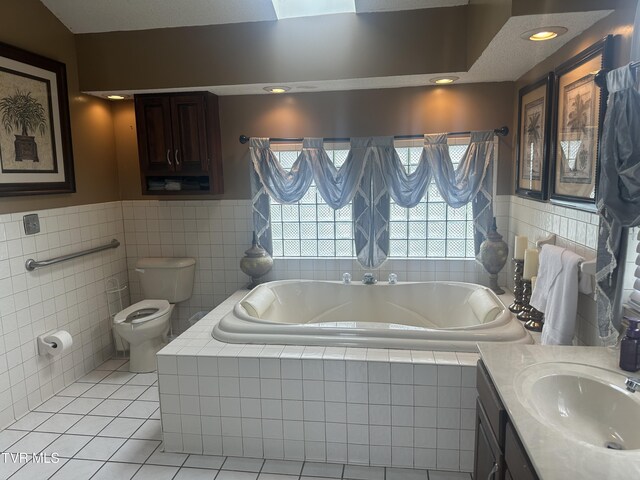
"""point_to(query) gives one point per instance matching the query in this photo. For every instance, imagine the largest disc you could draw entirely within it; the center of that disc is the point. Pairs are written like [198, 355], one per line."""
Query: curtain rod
[601, 77]
[502, 132]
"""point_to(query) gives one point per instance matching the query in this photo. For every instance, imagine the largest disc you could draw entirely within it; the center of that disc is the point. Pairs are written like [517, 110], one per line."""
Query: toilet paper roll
[58, 342]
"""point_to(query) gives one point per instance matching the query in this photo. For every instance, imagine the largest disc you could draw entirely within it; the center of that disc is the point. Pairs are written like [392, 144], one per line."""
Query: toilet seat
[143, 311]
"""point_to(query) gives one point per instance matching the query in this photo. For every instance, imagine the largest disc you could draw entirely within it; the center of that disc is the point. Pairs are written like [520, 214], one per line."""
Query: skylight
[308, 8]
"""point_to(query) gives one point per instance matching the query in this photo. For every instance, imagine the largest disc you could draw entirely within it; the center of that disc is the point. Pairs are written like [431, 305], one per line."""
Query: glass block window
[431, 228]
[310, 228]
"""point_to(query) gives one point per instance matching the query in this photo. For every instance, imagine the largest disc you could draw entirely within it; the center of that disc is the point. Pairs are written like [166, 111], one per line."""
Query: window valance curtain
[372, 174]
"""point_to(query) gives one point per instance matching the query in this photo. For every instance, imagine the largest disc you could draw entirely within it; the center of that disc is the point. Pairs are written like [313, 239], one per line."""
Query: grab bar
[32, 264]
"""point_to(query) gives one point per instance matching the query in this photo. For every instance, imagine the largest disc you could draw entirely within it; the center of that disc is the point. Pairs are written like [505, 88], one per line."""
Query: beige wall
[297, 49]
[619, 23]
[29, 25]
[335, 114]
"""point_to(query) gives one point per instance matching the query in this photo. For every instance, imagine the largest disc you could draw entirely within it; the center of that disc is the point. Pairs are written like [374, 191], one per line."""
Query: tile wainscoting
[69, 296]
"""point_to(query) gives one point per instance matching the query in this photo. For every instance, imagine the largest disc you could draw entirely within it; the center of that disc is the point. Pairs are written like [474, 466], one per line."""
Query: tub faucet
[632, 384]
[393, 279]
[369, 279]
[346, 278]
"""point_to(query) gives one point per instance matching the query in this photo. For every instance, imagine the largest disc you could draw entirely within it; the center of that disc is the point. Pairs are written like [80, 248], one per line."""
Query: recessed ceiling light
[277, 89]
[444, 80]
[115, 97]
[543, 33]
[308, 8]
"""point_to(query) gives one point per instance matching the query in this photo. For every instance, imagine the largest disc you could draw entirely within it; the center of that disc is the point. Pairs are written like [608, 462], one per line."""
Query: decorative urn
[493, 255]
[256, 262]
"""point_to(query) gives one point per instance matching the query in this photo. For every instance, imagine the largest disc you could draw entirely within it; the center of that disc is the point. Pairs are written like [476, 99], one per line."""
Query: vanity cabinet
[179, 143]
[499, 454]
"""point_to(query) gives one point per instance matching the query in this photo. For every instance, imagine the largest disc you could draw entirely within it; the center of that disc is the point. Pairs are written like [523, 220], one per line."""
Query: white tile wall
[69, 296]
[576, 230]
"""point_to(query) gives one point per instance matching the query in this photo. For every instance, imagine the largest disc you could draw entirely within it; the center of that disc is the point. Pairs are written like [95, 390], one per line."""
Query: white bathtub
[451, 316]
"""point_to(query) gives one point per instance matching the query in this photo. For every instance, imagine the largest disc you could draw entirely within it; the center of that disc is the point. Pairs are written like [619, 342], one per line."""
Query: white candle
[530, 263]
[521, 245]
[534, 279]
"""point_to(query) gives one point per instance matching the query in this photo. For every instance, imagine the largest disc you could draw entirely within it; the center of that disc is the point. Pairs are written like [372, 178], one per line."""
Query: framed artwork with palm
[35, 137]
[579, 107]
[534, 127]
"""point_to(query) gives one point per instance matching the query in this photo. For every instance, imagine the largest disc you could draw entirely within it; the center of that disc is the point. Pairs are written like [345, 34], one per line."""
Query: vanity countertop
[554, 455]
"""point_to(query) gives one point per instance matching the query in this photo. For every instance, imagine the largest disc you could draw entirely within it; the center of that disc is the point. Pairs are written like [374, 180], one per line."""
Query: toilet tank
[168, 279]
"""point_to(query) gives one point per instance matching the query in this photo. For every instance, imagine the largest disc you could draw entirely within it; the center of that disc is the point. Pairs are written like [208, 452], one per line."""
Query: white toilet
[144, 325]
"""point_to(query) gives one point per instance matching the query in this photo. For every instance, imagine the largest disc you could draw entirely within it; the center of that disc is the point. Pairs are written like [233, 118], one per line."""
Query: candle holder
[525, 314]
[516, 306]
[536, 320]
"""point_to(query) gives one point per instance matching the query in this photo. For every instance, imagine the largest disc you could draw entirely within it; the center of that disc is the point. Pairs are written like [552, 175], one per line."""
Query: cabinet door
[155, 145]
[189, 133]
[488, 462]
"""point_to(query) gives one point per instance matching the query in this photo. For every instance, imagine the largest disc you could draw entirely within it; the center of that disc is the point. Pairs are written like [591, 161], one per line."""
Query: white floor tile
[110, 408]
[38, 470]
[116, 471]
[434, 475]
[9, 437]
[121, 427]
[94, 376]
[231, 475]
[33, 442]
[67, 446]
[150, 430]
[101, 390]
[286, 467]
[243, 464]
[143, 379]
[8, 467]
[90, 425]
[322, 470]
[195, 474]
[30, 421]
[77, 470]
[406, 474]
[59, 423]
[150, 394]
[140, 409]
[204, 461]
[54, 404]
[81, 406]
[155, 472]
[136, 451]
[164, 458]
[276, 476]
[75, 389]
[100, 448]
[354, 472]
[112, 364]
[119, 378]
[128, 392]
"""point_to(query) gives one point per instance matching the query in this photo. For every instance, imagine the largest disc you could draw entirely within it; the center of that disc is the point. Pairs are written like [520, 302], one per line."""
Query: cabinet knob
[169, 158]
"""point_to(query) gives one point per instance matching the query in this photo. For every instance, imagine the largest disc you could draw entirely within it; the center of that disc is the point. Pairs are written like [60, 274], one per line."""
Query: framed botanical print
[534, 127]
[35, 135]
[579, 106]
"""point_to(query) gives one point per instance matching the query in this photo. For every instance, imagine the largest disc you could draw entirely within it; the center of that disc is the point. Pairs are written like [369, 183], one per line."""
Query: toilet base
[142, 357]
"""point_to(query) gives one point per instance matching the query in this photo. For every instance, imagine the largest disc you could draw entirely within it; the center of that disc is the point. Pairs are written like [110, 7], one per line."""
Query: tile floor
[107, 426]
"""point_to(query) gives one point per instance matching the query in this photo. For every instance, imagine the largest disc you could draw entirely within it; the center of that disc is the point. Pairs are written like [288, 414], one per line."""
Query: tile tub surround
[554, 455]
[105, 434]
[376, 407]
[70, 295]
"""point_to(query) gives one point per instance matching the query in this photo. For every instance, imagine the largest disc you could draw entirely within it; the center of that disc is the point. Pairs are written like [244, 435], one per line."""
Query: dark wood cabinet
[499, 454]
[179, 143]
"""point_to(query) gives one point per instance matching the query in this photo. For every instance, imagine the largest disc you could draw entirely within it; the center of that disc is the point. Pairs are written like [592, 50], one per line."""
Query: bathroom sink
[587, 404]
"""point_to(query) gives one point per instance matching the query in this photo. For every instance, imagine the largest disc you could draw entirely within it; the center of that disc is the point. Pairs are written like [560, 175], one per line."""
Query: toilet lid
[142, 311]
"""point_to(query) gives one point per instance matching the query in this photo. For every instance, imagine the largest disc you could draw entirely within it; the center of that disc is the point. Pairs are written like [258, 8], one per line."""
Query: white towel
[556, 294]
[258, 301]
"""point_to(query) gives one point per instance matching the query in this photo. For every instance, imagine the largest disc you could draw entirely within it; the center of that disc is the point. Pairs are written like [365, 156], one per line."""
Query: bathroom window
[310, 228]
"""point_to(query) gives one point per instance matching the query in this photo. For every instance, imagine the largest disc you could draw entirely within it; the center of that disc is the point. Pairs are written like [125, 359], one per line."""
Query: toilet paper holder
[46, 346]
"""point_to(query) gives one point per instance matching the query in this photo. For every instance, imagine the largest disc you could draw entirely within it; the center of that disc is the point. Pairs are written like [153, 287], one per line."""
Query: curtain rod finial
[502, 131]
[243, 139]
